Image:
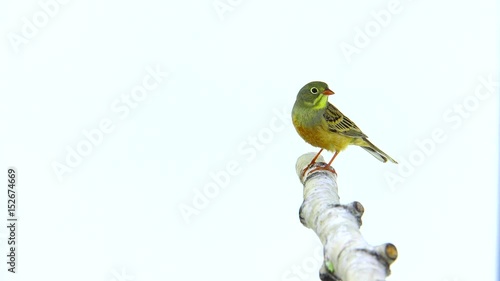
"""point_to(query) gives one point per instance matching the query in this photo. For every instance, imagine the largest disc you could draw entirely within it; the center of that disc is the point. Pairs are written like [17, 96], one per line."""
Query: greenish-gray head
[314, 94]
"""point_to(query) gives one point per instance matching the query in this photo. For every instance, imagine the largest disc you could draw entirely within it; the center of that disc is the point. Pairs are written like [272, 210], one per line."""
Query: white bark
[347, 256]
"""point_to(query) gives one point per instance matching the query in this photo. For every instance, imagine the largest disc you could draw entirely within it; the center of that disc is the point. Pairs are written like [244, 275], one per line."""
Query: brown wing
[339, 123]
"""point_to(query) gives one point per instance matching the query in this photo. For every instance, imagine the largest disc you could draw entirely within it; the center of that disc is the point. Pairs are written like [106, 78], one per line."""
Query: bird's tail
[376, 152]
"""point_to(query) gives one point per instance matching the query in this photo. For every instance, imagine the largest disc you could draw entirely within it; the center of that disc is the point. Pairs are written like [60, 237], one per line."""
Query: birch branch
[347, 256]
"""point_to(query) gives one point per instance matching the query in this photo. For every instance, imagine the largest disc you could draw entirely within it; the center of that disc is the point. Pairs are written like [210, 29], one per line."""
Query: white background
[233, 78]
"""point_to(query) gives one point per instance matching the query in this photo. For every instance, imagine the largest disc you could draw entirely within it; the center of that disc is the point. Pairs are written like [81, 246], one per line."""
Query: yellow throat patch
[320, 102]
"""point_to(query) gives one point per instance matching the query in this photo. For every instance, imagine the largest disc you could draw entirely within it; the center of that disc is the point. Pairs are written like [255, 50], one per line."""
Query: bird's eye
[314, 90]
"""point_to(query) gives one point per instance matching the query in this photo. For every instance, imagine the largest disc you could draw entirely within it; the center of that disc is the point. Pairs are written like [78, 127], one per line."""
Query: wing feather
[339, 123]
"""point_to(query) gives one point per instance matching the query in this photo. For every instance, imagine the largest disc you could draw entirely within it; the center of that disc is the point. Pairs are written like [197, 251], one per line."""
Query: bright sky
[153, 140]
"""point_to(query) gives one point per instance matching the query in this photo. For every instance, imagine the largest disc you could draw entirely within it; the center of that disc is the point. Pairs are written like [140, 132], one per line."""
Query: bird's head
[314, 94]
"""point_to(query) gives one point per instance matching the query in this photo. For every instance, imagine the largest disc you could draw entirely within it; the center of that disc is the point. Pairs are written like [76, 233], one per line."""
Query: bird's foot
[313, 161]
[307, 168]
[326, 168]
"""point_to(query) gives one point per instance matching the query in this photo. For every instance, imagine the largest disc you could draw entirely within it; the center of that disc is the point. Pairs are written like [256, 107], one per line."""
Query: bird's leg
[312, 162]
[334, 155]
[328, 166]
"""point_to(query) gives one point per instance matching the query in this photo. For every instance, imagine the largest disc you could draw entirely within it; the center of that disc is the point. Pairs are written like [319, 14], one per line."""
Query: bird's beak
[328, 92]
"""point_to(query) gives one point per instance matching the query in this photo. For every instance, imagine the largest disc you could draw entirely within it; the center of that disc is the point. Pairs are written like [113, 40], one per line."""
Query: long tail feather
[377, 153]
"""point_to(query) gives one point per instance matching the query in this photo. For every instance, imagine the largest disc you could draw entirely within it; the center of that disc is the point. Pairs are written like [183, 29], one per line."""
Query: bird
[322, 125]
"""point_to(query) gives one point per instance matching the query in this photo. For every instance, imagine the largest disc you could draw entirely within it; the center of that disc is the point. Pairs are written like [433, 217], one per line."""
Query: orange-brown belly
[320, 136]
